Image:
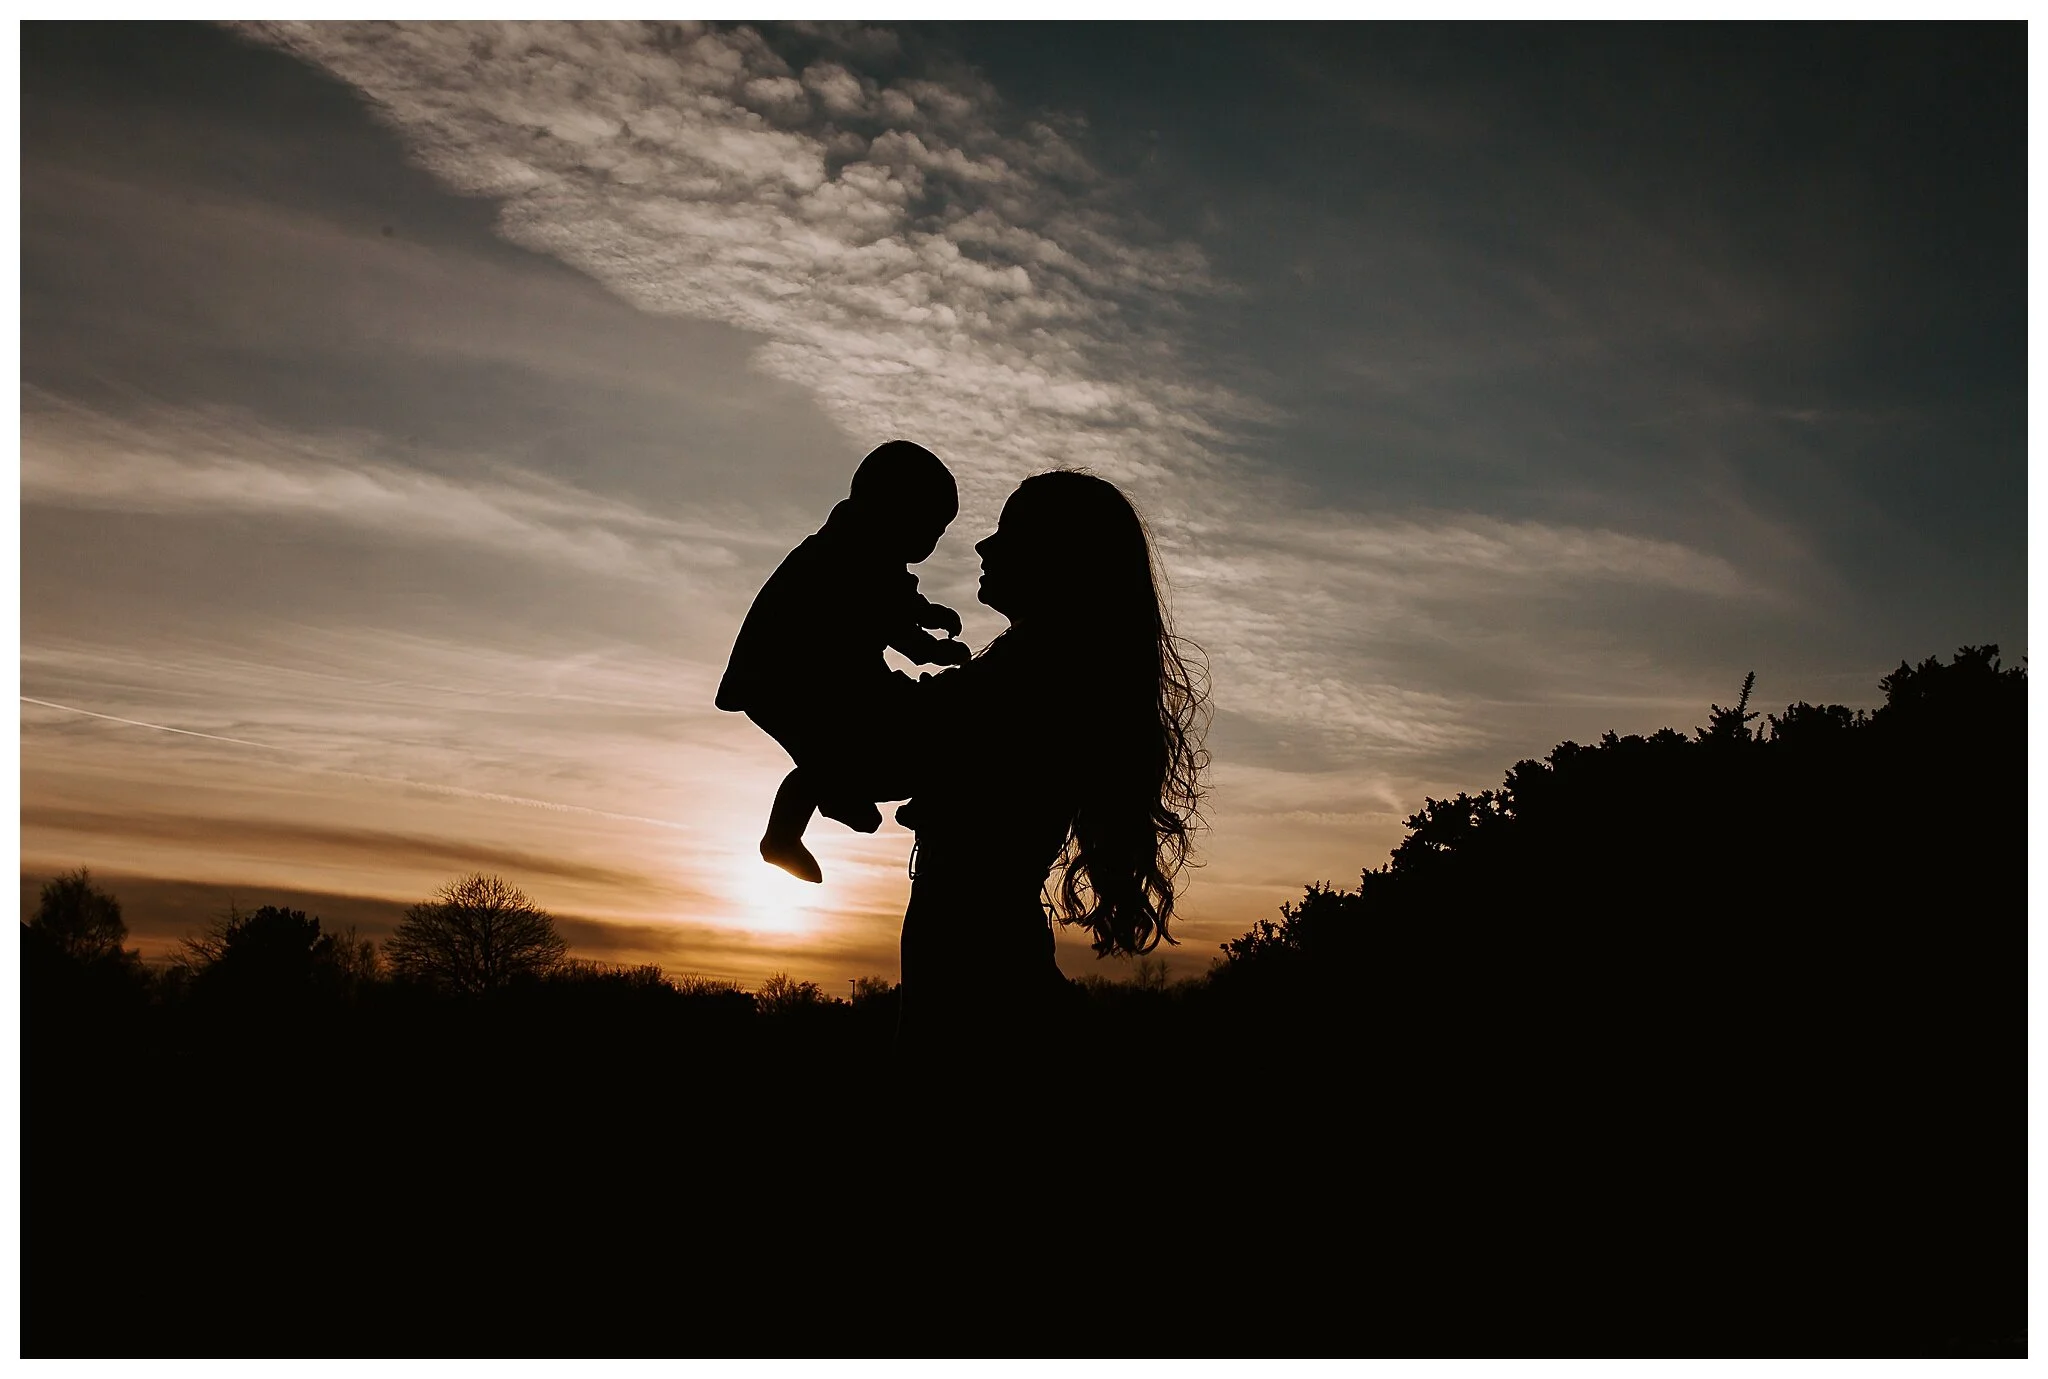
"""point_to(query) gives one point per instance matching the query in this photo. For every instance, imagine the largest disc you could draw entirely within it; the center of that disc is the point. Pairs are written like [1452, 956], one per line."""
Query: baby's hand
[951, 653]
[942, 619]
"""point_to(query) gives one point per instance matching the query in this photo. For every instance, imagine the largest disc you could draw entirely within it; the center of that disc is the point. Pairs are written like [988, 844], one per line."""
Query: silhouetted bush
[272, 954]
[79, 920]
[76, 976]
[1787, 968]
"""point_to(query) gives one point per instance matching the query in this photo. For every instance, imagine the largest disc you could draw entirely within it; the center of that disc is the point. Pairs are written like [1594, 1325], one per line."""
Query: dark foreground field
[1674, 1046]
[565, 1185]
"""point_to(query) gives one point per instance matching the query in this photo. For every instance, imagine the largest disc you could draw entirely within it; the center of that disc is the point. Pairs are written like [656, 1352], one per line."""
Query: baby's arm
[918, 613]
[926, 650]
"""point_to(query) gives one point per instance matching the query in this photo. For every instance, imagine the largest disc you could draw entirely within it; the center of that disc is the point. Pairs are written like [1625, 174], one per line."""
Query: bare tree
[355, 958]
[781, 993]
[475, 935]
[197, 952]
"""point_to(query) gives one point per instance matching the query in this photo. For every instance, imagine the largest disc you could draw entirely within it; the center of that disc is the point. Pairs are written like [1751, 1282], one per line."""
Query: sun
[771, 901]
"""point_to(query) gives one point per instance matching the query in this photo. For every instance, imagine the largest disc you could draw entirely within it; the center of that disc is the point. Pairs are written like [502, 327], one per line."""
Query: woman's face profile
[1014, 559]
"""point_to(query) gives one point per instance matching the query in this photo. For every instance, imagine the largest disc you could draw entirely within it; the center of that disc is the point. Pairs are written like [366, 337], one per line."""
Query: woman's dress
[999, 749]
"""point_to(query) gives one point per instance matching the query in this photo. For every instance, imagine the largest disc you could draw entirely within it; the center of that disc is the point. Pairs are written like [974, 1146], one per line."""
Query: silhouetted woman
[1071, 743]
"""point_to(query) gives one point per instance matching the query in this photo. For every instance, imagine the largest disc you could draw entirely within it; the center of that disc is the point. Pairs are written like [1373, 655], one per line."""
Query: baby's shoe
[793, 857]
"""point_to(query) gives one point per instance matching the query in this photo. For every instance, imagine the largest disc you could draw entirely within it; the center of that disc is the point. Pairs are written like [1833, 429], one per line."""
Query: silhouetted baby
[808, 667]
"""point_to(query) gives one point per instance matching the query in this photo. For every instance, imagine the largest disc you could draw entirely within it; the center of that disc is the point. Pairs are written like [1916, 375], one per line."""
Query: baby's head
[907, 493]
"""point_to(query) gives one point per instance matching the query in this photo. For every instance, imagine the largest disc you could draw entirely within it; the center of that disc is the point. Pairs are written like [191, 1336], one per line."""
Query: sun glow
[771, 901]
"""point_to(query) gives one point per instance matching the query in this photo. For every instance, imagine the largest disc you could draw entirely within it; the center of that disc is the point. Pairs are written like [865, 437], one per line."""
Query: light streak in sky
[523, 800]
[160, 727]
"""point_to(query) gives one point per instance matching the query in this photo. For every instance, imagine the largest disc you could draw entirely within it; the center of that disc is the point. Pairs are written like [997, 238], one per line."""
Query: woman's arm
[1002, 706]
[939, 709]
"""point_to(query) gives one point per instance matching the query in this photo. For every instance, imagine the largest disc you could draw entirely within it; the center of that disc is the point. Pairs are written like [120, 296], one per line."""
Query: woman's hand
[952, 653]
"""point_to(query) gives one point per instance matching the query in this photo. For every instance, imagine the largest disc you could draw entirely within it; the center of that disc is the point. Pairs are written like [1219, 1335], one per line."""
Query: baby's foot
[793, 857]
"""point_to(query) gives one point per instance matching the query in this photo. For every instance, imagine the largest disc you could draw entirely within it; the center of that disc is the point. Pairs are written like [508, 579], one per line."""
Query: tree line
[477, 936]
[1638, 871]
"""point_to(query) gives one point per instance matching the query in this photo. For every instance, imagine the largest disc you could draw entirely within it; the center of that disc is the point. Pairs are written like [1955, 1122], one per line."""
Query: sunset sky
[410, 413]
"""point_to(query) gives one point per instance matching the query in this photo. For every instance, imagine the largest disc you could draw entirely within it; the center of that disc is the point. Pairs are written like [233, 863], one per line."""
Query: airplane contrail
[160, 727]
[526, 801]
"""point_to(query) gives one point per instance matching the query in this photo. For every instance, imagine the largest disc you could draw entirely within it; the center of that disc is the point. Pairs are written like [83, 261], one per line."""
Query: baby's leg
[855, 765]
[855, 812]
[783, 843]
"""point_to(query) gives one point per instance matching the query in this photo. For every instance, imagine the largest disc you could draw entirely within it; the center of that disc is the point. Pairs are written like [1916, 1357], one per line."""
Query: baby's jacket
[820, 622]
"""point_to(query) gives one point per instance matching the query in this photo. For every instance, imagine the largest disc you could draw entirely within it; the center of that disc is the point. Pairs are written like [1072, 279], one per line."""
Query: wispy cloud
[596, 774]
[923, 259]
[230, 835]
[197, 462]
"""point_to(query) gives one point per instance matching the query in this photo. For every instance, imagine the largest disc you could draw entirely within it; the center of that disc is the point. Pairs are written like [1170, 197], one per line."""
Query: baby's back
[820, 621]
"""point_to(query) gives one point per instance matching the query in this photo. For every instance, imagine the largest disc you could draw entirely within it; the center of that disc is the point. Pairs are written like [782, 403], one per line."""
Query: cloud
[920, 258]
[655, 800]
[858, 946]
[927, 262]
[445, 350]
[159, 911]
[1317, 619]
[298, 839]
[203, 461]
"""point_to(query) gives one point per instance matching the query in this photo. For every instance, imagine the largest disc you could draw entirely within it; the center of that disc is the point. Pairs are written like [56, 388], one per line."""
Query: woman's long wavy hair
[1146, 697]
